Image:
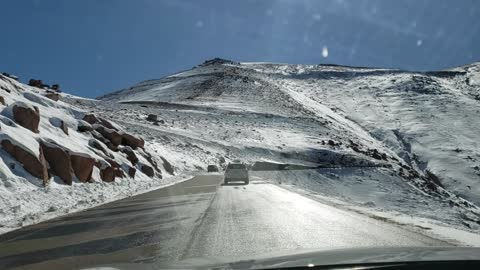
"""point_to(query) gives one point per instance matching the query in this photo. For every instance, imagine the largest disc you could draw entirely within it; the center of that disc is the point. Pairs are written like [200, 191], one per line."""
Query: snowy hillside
[398, 145]
[397, 140]
[56, 158]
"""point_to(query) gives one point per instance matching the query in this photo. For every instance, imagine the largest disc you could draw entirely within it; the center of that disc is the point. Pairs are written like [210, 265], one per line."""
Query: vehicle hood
[316, 258]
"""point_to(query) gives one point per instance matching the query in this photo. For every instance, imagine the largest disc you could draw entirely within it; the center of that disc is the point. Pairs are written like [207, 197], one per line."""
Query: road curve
[196, 218]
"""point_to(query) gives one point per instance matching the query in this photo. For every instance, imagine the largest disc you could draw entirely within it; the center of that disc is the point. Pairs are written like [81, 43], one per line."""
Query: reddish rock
[99, 146]
[113, 163]
[113, 136]
[52, 96]
[2, 101]
[130, 154]
[107, 174]
[132, 141]
[26, 116]
[147, 170]
[59, 160]
[36, 166]
[93, 119]
[82, 166]
[131, 172]
[107, 142]
[119, 173]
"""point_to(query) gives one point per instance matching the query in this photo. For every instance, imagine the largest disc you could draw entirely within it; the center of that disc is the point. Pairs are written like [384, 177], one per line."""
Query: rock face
[36, 166]
[107, 174]
[82, 166]
[26, 116]
[59, 161]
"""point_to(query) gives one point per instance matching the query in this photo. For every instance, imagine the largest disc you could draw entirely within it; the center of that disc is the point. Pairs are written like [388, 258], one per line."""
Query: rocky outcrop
[26, 116]
[36, 166]
[59, 161]
[2, 101]
[82, 166]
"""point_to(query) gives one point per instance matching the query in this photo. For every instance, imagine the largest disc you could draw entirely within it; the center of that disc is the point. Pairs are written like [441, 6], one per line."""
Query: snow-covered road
[197, 218]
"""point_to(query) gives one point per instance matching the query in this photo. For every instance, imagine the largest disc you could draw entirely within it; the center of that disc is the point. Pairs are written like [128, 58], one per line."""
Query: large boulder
[52, 96]
[107, 174]
[59, 161]
[98, 145]
[93, 119]
[113, 136]
[131, 172]
[131, 156]
[168, 166]
[107, 142]
[132, 141]
[84, 126]
[36, 166]
[82, 166]
[148, 170]
[150, 159]
[25, 115]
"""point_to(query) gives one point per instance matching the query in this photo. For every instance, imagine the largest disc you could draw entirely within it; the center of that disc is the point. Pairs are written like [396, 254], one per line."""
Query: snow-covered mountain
[396, 138]
[391, 143]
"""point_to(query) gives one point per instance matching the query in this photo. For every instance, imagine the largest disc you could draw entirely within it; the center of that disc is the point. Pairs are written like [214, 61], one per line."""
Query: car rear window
[236, 166]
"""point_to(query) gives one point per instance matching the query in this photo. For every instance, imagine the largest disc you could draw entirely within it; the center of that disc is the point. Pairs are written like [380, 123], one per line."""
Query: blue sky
[92, 47]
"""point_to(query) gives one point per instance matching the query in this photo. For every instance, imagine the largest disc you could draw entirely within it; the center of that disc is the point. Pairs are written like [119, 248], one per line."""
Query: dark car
[236, 172]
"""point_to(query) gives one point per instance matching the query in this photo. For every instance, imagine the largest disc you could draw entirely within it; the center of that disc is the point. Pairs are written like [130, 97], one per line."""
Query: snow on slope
[26, 199]
[417, 130]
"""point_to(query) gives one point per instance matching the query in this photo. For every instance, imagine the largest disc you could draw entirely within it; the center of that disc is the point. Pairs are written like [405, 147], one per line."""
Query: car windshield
[178, 134]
